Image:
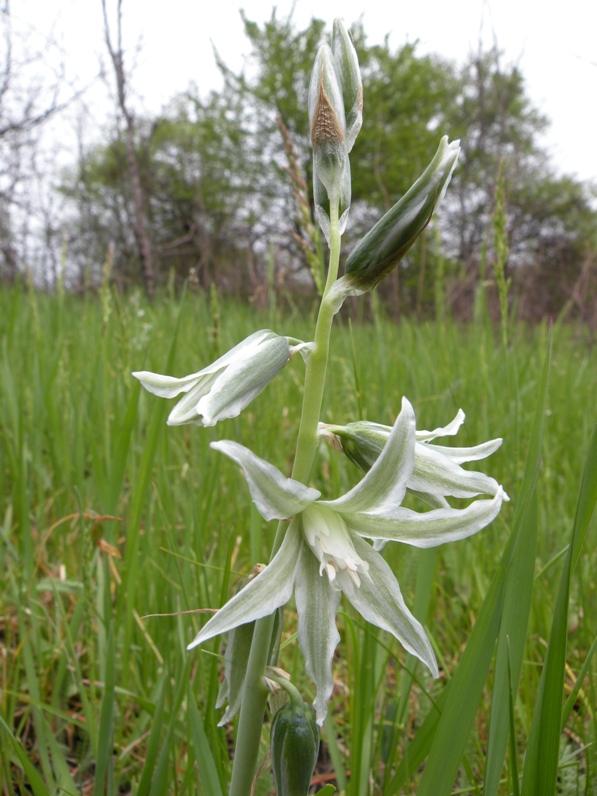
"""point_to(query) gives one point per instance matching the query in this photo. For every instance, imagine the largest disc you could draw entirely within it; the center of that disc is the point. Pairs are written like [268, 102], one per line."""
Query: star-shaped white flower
[437, 473]
[224, 388]
[325, 552]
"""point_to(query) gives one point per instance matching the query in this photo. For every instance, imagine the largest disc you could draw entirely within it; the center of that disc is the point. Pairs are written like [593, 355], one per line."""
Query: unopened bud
[361, 442]
[327, 122]
[346, 63]
[294, 748]
[382, 248]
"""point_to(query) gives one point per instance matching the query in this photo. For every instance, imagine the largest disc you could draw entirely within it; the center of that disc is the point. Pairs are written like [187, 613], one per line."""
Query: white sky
[555, 47]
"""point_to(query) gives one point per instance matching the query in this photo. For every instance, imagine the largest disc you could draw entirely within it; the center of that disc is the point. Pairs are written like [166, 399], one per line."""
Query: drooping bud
[224, 388]
[294, 748]
[382, 248]
[346, 63]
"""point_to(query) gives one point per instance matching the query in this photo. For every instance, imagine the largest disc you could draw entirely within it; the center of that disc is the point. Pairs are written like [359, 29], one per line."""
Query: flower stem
[252, 710]
[255, 692]
[317, 364]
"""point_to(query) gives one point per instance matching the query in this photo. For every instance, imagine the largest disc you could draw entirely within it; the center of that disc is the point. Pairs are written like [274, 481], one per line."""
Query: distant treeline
[219, 180]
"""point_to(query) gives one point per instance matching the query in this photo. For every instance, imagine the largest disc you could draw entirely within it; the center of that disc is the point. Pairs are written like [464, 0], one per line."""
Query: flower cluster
[331, 547]
[327, 551]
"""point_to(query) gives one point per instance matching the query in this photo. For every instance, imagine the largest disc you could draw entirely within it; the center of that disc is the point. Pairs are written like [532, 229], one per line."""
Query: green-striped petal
[268, 591]
[276, 497]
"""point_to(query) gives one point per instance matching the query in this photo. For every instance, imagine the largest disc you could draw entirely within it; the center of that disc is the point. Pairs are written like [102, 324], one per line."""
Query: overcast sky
[555, 48]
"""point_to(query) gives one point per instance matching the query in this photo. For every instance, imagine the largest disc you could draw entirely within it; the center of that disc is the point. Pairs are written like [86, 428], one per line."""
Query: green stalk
[255, 692]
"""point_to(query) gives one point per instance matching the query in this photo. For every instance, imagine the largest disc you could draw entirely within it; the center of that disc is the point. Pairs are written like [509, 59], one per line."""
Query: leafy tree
[213, 170]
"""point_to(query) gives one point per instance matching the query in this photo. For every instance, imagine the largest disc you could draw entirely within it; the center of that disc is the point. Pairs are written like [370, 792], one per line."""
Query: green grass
[107, 516]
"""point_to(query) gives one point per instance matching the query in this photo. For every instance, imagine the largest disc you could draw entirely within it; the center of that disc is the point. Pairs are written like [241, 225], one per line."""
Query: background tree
[139, 225]
[32, 91]
[216, 194]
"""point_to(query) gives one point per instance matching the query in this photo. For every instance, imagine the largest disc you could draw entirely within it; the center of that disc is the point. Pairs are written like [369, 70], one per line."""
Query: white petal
[447, 431]
[235, 662]
[429, 528]
[383, 487]
[170, 387]
[185, 410]
[167, 386]
[379, 601]
[268, 591]
[437, 474]
[317, 605]
[461, 455]
[276, 497]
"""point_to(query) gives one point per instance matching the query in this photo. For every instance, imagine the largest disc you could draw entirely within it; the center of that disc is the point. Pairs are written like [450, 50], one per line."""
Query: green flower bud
[294, 748]
[382, 248]
[346, 63]
[361, 442]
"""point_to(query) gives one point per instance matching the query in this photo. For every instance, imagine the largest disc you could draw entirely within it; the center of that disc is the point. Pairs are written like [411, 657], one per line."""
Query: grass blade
[36, 782]
[467, 684]
[105, 745]
[570, 702]
[207, 766]
[541, 763]
[151, 753]
[510, 650]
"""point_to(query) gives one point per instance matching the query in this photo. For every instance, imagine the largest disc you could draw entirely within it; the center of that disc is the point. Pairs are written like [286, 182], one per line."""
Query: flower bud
[327, 123]
[361, 442]
[382, 248]
[346, 63]
[294, 748]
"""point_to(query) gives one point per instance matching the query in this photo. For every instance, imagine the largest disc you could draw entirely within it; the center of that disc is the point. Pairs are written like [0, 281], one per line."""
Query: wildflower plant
[329, 546]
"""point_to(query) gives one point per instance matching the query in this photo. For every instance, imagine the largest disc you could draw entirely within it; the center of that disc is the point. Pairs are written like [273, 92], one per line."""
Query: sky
[171, 45]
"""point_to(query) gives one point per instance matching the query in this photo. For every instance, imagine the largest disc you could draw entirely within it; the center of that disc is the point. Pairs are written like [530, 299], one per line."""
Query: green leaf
[517, 601]
[151, 752]
[448, 741]
[541, 763]
[105, 745]
[207, 767]
[36, 782]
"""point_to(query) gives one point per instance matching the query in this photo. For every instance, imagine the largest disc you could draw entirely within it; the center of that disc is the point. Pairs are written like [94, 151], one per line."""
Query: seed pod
[294, 748]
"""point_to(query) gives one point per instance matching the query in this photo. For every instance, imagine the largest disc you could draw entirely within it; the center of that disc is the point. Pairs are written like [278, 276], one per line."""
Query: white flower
[437, 473]
[324, 552]
[224, 388]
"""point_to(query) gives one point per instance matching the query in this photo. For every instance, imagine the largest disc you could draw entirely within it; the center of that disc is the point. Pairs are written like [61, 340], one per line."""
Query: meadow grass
[115, 529]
